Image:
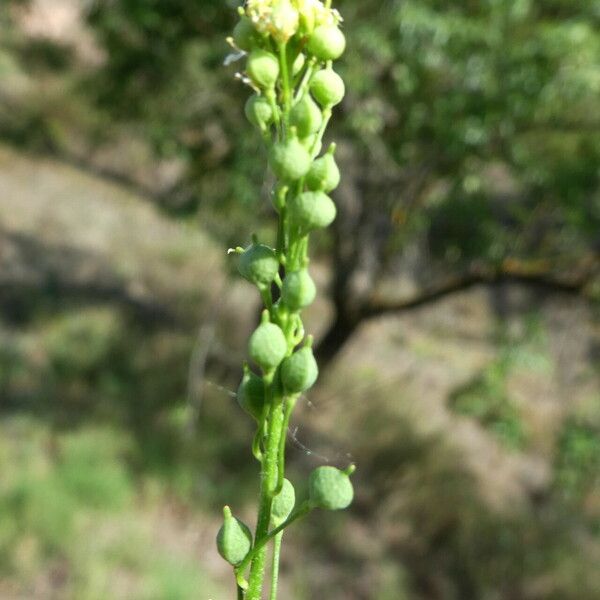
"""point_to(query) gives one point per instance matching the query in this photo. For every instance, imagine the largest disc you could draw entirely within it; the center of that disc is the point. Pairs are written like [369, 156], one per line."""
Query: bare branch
[510, 272]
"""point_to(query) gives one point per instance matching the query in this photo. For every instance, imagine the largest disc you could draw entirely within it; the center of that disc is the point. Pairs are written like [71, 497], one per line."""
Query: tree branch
[509, 272]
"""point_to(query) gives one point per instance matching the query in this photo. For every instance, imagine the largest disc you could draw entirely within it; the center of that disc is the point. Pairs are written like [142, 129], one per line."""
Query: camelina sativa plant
[289, 47]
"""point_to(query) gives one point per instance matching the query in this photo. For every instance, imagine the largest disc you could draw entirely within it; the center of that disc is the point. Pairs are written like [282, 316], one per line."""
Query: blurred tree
[470, 137]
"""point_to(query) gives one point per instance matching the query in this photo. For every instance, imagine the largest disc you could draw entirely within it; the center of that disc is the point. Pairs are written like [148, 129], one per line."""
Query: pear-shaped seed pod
[259, 264]
[245, 36]
[234, 539]
[298, 64]
[324, 174]
[330, 488]
[267, 346]
[251, 394]
[299, 371]
[263, 68]
[299, 290]
[327, 87]
[312, 210]
[289, 160]
[283, 503]
[327, 42]
[259, 111]
[306, 116]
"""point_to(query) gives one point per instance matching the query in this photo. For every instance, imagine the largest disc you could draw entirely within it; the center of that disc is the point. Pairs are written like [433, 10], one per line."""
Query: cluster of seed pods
[289, 48]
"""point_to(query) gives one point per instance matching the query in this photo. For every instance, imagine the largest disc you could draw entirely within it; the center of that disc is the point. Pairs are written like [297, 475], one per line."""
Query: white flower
[281, 19]
[278, 18]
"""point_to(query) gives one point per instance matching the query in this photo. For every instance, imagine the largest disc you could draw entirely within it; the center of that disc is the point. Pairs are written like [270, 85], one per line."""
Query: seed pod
[259, 264]
[312, 210]
[298, 290]
[330, 488]
[263, 68]
[245, 36]
[267, 346]
[298, 64]
[299, 371]
[324, 174]
[251, 394]
[306, 116]
[259, 111]
[234, 539]
[327, 87]
[283, 503]
[327, 42]
[289, 160]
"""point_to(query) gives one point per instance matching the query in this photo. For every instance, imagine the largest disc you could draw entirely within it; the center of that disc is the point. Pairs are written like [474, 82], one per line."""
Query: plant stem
[268, 485]
[275, 566]
[285, 83]
[260, 543]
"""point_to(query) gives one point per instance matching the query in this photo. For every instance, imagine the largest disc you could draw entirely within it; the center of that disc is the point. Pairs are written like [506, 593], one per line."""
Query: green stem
[240, 593]
[305, 79]
[285, 83]
[268, 484]
[289, 407]
[319, 139]
[304, 509]
[275, 565]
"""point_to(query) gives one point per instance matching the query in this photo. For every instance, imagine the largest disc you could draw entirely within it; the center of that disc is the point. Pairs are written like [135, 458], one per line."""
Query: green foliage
[487, 398]
[577, 469]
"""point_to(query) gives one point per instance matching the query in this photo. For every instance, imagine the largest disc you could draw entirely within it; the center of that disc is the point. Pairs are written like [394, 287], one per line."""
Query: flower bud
[245, 36]
[234, 539]
[299, 371]
[263, 68]
[259, 264]
[283, 503]
[306, 116]
[327, 87]
[324, 174]
[284, 21]
[330, 488]
[327, 42]
[289, 160]
[312, 210]
[299, 290]
[259, 111]
[267, 346]
[251, 394]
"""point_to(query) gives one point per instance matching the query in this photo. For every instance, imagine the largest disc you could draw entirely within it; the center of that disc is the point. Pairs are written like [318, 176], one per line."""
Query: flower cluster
[282, 19]
[290, 46]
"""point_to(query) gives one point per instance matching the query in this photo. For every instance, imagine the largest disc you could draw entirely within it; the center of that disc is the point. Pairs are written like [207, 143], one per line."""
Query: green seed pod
[259, 111]
[306, 116]
[327, 42]
[299, 371]
[251, 394]
[298, 290]
[298, 64]
[327, 87]
[330, 488]
[324, 174]
[289, 160]
[234, 539]
[267, 346]
[263, 68]
[283, 503]
[312, 210]
[245, 36]
[259, 264]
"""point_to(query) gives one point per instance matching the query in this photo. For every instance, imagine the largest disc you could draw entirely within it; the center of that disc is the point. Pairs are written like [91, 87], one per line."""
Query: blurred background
[457, 328]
